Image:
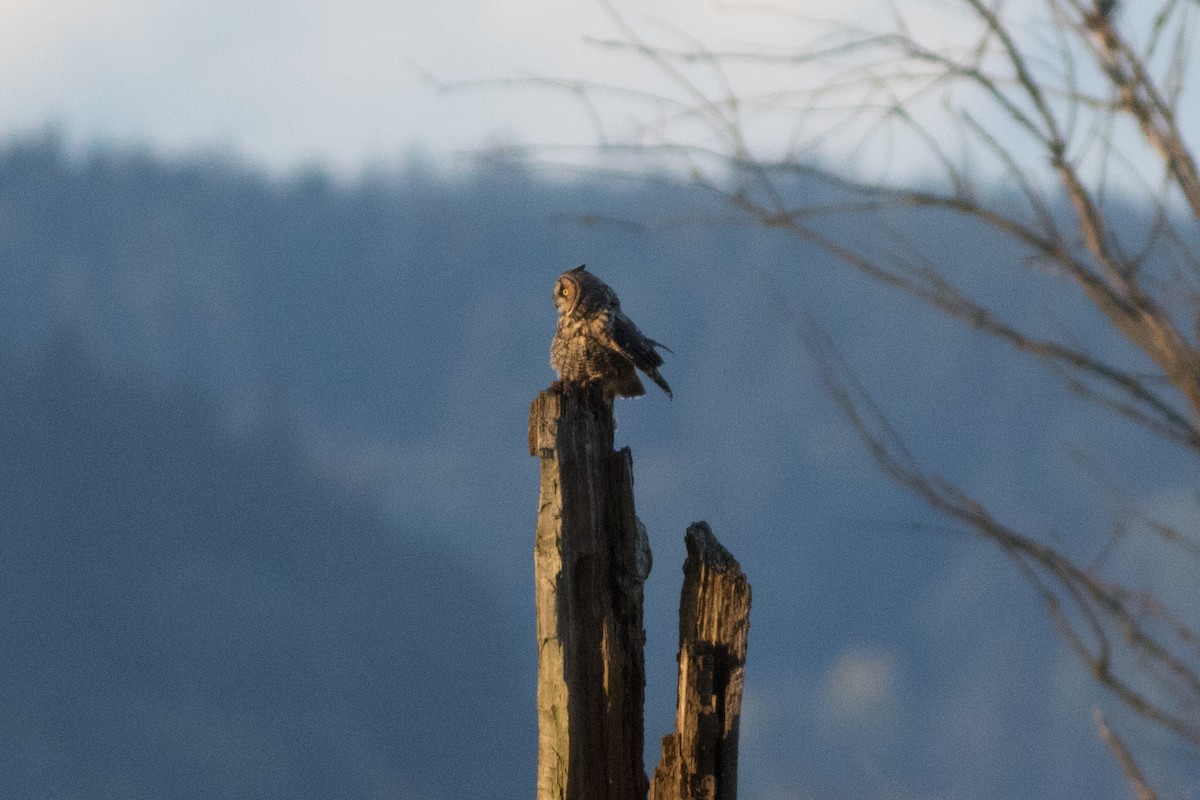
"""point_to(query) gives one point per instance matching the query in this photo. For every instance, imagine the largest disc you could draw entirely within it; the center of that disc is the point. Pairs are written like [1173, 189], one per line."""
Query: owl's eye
[563, 291]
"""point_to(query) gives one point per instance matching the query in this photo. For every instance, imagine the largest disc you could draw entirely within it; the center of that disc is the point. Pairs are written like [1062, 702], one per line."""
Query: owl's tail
[653, 373]
[661, 381]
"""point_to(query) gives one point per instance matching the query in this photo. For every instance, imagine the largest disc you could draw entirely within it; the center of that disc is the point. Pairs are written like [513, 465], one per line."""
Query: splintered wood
[590, 560]
[699, 760]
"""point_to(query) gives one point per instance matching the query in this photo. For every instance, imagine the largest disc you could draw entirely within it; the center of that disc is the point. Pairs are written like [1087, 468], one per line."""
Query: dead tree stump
[699, 760]
[591, 559]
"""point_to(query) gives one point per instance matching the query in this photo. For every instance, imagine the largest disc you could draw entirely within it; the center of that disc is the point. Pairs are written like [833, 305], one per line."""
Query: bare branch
[1141, 98]
[1133, 773]
[1069, 592]
[1065, 115]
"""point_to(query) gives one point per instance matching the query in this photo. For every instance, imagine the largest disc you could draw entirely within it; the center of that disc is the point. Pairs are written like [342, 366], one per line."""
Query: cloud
[282, 82]
[288, 82]
[343, 83]
[860, 686]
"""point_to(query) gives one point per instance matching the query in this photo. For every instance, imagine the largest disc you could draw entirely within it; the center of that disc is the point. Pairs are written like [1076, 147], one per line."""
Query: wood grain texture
[699, 760]
[590, 562]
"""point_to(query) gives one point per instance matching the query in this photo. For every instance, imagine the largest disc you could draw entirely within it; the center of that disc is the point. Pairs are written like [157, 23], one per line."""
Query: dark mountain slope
[190, 615]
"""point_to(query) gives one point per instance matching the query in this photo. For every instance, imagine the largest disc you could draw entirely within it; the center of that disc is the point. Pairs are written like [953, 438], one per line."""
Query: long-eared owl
[596, 343]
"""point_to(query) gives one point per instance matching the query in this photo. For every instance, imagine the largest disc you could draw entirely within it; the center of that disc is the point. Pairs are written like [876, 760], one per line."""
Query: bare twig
[1066, 117]
[1133, 773]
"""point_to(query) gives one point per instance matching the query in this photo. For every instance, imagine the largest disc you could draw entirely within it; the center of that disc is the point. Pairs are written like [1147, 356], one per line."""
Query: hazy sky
[294, 81]
[288, 81]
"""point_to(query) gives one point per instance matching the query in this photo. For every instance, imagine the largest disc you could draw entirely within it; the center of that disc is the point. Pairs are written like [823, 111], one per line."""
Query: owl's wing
[628, 340]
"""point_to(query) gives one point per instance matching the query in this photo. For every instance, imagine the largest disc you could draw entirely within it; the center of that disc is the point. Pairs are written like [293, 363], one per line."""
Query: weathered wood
[590, 561]
[699, 760]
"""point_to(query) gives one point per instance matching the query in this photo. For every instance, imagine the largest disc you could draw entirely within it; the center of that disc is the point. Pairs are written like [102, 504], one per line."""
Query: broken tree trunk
[591, 559]
[699, 760]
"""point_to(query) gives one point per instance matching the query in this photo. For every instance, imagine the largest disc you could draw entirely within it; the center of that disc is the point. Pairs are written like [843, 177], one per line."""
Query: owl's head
[577, 291]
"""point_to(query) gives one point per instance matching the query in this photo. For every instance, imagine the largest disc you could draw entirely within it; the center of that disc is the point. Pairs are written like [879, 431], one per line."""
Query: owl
[596, 343]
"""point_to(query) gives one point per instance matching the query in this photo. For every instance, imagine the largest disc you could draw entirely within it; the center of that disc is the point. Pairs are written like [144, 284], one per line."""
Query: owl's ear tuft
[580, 268]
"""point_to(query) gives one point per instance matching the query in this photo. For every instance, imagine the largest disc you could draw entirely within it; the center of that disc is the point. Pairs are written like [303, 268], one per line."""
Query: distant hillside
[268, 509]
[191, 615]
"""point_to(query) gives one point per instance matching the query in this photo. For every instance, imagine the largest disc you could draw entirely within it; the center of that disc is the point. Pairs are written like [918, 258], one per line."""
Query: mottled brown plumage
[596, 343]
